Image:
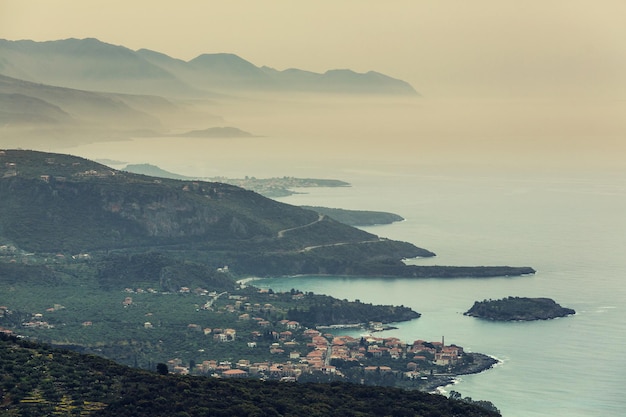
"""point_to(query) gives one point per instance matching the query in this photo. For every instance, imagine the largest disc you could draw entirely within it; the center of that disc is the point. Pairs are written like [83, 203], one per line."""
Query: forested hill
[39, 380]
[65, 205]
[54, 203]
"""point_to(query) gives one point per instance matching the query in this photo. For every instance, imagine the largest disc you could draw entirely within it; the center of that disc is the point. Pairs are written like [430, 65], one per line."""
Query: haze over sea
[533, 184]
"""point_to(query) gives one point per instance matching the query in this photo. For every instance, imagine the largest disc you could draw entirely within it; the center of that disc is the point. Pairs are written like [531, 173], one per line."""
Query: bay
[570, 229]
[538, 184]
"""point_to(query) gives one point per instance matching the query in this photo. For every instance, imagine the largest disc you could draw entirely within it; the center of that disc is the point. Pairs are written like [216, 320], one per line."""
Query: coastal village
[236, 333]
[323, 350]
[310, 351]
[294, 352]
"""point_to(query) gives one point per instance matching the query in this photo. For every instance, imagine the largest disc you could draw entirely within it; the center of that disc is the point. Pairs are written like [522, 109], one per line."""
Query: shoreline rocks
[480, 364]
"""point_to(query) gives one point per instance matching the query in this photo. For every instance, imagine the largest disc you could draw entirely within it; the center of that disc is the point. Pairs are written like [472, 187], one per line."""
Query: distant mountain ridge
[20, 99]
[32, 114]
[94, 65]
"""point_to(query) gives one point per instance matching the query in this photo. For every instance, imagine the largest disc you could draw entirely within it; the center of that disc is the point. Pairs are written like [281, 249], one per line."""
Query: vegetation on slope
[326, 310]
[39, 380]
[102, 306]
[54, 203]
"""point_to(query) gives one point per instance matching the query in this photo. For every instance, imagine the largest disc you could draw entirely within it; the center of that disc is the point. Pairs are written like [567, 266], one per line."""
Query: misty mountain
[32, 114]
[38, 103]
[94, 65]
[21, 109]
[231, 70]
[343, 81]
[87, 64]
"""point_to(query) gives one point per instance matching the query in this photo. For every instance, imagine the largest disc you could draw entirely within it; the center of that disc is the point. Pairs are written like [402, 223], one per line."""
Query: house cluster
[7, 249]
[6, 332]
[181, 290]
[37, 322]
[322, 350]
[10, 169]
[219, 335]
[4, 311]
[240, 304]
[140, 291]
[95, 173]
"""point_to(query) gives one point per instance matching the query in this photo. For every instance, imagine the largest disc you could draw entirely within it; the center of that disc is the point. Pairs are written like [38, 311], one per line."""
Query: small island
[518, 309]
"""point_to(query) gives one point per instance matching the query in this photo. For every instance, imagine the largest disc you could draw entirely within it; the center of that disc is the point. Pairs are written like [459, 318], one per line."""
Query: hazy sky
[442, 47]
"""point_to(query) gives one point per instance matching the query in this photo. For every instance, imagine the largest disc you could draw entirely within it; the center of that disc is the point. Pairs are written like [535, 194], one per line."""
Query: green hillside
[54, 203]
[61, 204]
[38, 380]
[143, 270]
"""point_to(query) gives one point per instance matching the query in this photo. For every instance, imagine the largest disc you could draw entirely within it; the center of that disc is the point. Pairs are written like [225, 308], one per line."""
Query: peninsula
[518, 309]
[141, 270]
[77, 200]
[267, 187]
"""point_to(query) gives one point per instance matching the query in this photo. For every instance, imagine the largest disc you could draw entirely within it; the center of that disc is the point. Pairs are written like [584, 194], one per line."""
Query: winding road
[281, 233]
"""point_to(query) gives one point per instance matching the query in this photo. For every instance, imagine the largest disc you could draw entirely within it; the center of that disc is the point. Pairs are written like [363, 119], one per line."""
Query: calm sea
[571, 229]
[568, 224]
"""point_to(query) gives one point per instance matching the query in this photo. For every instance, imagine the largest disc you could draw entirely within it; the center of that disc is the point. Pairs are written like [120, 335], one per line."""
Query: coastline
[243, 281]
[434, 383]
[481, 363]
[438, 382]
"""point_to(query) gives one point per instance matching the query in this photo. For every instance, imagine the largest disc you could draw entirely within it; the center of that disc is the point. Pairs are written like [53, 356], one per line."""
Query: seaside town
[330, 355]
[293, 352]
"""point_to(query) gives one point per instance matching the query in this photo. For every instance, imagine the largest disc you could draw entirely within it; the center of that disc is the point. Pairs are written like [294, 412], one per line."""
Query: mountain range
[33, 103]
[90, 64]
[76, 91]
[34, 115]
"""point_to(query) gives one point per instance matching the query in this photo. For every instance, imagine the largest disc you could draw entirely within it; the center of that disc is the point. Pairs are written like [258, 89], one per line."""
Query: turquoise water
[572, 230]
[568, 225]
